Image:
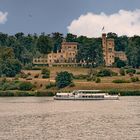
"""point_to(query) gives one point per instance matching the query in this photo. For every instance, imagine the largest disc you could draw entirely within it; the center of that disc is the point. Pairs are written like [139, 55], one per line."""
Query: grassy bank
[52, 93]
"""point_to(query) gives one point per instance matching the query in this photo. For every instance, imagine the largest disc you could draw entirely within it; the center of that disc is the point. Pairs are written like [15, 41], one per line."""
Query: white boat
[85, 95]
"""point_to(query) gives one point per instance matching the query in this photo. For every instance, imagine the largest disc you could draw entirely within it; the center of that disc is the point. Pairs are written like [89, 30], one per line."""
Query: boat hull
[73, 98]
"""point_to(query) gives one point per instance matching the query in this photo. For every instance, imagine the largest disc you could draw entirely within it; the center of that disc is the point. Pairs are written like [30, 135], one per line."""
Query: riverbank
[11, 93]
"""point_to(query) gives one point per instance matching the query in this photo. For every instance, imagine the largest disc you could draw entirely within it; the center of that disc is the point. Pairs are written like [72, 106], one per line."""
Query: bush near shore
[26, 93]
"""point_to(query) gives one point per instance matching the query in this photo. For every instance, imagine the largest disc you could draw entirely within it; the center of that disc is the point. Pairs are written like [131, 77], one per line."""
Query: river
[42, 118]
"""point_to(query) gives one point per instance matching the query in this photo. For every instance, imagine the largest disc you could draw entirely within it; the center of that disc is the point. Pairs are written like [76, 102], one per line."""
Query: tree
[133, 51]
[25, 86]
[71, 38]
[9, 66]
[119, 63]
[57, 40]
[63, 79]
[90, 51]
[44, 44]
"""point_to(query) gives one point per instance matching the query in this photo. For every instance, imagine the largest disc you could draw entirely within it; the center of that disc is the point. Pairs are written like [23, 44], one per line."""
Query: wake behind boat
[85, 95]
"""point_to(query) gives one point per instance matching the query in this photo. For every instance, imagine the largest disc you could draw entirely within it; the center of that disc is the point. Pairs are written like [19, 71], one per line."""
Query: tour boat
[85, 95]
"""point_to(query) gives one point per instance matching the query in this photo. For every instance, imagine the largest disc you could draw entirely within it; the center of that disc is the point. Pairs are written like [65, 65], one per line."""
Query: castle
[68, 52]
[66, 56]
[109, 52]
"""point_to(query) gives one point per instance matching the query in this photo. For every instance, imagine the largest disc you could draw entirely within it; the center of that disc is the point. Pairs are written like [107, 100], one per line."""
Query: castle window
[110, 49]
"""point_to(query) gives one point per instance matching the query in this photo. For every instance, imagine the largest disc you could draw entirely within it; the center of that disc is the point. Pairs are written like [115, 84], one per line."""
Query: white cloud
[123, 23]
[3, 17]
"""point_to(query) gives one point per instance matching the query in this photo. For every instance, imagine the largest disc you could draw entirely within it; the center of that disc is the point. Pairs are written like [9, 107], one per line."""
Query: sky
[80, 17]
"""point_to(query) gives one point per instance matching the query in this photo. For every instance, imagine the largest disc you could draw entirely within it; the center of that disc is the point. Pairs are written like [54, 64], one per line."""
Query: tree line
[21, 48]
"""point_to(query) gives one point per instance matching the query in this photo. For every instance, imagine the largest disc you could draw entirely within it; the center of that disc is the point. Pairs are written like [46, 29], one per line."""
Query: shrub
[138, 72]
[44, 93]
[133, 71]
[63, 79]
[44, 71]
[25, 86]
[36, 68]
[106, 72]
[98, 80]
[134, 79]
[91, 78]
[80, 76]
[92, 72]
[119, 63]
[122, 72]
[23, 75]
[50, 85]
[120, 81]
[28, 67]
[10, 86]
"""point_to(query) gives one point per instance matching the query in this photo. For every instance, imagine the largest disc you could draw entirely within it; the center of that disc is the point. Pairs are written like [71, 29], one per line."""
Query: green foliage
[106, 72]
[50, 85]
[98, 80]
[93, 78]
[80, 77]
[120, 81]
[90, 51]
[44, 44]
[119, 63]
[63, 79]
[134, 79]
[36, 68]
[44, 93]
[25, 86]
[9, 66]
[122, 72]
[133, 51]
[44, 70]
[133, 71]
[8, 85]
[138, 72]
[46, 73]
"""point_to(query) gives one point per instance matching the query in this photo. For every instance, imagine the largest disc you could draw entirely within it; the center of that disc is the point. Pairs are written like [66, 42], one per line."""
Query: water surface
[42, 118]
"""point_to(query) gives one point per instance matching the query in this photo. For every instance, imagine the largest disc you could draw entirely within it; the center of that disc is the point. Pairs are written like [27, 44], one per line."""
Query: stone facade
[109, 52]
[67, 55]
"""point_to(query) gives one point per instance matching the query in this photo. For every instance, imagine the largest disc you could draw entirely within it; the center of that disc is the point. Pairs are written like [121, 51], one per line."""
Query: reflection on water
[42, 118]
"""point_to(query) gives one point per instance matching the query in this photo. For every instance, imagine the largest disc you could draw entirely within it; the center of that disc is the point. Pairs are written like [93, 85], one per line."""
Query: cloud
[123, 23]
[3, 17]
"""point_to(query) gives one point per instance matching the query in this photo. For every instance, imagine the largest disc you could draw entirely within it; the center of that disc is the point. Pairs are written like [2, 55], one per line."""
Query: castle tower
[108, 50]
[104, 45]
